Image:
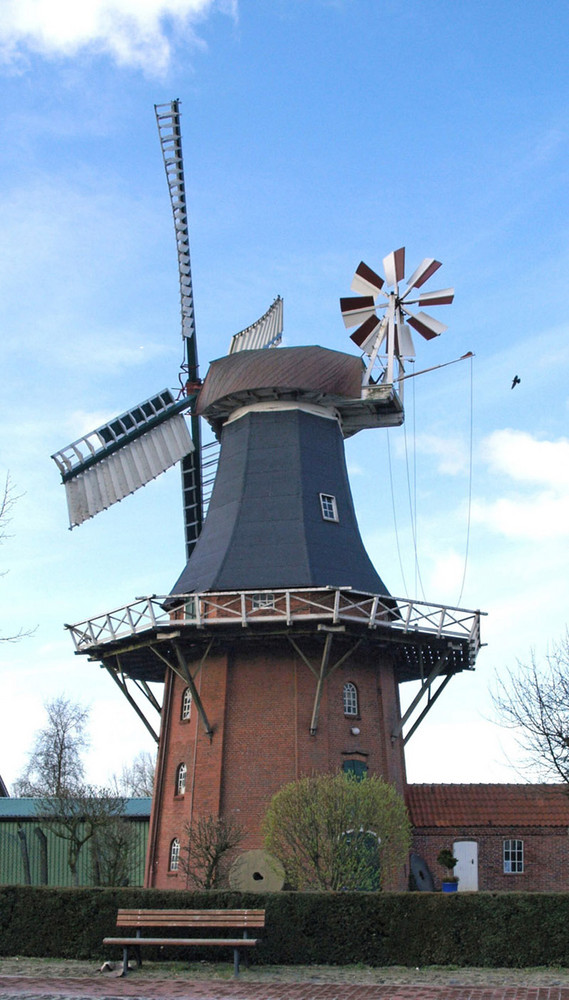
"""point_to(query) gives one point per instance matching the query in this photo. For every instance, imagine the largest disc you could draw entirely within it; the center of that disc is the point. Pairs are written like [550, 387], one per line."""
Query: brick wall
[259, 700]
[546, 855]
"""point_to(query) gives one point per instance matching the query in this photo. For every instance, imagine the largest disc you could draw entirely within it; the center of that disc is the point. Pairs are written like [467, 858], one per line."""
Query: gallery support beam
[425, 690]
[121, 681]
[325, 670]
[181, 668]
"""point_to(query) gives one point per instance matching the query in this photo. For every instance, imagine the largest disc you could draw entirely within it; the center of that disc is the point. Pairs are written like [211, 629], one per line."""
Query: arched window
[186, 705]
[364, 859]
[357, 768]
[350, 695]
[181, 779]
[174, 855]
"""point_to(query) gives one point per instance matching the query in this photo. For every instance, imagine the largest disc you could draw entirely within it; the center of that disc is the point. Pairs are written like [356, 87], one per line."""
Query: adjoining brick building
[507, 837]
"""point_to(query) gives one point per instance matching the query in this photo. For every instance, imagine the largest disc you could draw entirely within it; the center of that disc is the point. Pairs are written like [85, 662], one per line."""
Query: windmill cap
[300, 374]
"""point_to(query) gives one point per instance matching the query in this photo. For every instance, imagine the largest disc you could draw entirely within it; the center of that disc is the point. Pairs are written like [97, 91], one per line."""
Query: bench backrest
[191, 918]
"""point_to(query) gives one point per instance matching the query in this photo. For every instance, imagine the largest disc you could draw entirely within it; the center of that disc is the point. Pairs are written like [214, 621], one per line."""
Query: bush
[335, 928]
[332, 832]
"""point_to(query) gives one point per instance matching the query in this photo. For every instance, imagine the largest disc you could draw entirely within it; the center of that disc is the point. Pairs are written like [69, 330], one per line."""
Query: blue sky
[316, 133]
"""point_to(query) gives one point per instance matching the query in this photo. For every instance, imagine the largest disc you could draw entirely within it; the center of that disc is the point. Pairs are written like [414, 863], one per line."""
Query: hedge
[409, 929]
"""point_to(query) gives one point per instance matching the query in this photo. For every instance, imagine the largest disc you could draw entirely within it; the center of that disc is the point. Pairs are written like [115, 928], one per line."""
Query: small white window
[329, 507]
[190, 608]
[181, 779]
[350, 695]
[513, 857]
[174, 855]
[186, 705]
[264, 600]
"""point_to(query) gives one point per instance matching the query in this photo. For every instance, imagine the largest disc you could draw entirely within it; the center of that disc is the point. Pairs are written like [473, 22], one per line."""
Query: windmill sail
[168, 120]
[118, 458]
[169, 130]
[266, 332]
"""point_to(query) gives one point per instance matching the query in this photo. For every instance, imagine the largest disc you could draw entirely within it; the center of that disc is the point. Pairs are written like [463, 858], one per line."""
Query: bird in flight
[516, 381]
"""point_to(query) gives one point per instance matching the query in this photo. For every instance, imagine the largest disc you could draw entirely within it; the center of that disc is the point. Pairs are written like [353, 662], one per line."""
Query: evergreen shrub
[381, 929]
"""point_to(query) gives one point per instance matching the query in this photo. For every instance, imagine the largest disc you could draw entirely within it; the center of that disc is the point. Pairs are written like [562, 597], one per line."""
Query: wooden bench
[187, 920]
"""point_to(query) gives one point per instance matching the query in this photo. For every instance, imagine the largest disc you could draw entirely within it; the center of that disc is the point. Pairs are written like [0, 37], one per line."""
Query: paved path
[109, 988]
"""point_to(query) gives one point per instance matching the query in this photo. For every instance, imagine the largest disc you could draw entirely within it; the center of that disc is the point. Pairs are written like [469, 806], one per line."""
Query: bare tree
[7, 500]
[112, 852]
[78, 815]
[137, 779]
[55, 765]
[70, 809]
[534, 702]
[204, 858]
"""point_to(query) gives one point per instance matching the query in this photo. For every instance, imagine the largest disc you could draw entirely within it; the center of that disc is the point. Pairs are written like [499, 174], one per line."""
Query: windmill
[117, 458]
[279, 647]
[391, 329]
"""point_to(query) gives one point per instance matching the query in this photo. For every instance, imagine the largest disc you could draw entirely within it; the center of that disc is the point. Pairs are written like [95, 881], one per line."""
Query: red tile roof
[488, 805]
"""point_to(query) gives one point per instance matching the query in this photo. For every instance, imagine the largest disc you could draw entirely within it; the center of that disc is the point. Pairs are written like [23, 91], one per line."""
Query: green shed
[33, 851]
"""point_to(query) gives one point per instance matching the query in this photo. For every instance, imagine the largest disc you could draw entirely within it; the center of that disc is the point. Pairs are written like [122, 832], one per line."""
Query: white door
[466, 853]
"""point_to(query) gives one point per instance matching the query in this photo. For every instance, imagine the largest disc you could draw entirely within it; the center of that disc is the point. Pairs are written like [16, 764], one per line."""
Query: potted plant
[447, 861]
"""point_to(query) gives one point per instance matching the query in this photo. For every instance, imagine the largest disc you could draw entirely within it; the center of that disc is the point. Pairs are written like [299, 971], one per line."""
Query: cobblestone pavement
[103, 988]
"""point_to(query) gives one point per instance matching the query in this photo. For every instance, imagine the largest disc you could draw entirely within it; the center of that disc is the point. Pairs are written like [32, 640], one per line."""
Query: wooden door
[466, 852]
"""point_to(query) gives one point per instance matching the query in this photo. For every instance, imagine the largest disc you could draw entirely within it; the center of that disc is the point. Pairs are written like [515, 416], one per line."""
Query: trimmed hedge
[409, 929]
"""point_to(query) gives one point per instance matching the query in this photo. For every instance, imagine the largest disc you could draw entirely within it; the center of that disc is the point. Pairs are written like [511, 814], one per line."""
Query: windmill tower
[280, 650]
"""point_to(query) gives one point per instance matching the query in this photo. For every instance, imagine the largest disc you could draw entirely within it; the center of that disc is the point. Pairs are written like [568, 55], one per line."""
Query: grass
[54, 968]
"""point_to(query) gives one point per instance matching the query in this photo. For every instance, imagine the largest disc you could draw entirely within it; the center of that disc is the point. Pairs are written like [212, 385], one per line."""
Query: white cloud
[526, 462]
[355, 469]
[535, 518]
[451, 452]
[133, 32]
[446, 573]
[527, 459]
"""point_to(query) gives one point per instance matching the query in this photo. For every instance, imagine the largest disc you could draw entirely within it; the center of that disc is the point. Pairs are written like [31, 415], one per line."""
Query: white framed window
[174, 860]
[181, 773]
[350, 698]
[513, 857]
[329, 507]
[186, 705]
[262, 600]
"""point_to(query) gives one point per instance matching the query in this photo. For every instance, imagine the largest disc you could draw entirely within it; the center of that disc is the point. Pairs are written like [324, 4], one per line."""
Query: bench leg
[236, 962]
[125, 960]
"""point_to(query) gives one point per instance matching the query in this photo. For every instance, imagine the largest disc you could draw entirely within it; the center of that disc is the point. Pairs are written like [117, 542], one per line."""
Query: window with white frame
[513, 857]
[350, 697]
[174, 855]
[329, 507]
[181, 779]
[186, 705]
[262, 600]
